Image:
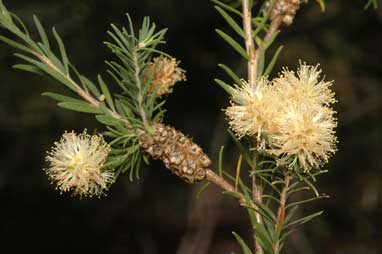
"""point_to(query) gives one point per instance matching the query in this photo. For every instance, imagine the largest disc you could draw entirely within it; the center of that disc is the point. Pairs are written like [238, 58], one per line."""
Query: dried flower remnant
[164, 73]
[76, 164]
[253, 109]
[285, 10]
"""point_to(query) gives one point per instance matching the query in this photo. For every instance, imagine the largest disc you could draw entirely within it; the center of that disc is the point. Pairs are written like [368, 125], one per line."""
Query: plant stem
[212, 177]
[281, 210]
[249, 43]
[81, 92]
[252, 77]
[257, 193]
[137, 70]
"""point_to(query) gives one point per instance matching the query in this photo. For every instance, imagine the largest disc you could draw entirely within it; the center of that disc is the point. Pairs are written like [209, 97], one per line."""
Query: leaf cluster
[260, 25]
[130, 72]
[279, 186]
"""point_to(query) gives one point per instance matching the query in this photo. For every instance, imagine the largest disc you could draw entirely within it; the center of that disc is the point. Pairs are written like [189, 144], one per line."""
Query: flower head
[305, 87]
[306, 122]
[306, 136]
[253, 109]
[291, 117]
[164, 73]
[76, 164]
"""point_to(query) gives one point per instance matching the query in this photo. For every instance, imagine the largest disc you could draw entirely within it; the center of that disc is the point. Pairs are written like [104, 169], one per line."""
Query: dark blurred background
[159, 214]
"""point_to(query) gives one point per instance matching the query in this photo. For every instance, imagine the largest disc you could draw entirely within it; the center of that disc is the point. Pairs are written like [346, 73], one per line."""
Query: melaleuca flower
[253, 109]
[305, 136]
[306, 87]
[76, 164]
[306, 120]
[290, 117]
[163, 73]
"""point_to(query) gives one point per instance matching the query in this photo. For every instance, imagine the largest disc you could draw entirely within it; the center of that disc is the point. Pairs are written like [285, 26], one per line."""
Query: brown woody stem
[212, 177]
[249, 43]
[252, 65]
[81, 92]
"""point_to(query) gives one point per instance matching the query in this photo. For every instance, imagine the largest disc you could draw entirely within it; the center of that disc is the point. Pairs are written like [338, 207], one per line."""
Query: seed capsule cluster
[179, 153]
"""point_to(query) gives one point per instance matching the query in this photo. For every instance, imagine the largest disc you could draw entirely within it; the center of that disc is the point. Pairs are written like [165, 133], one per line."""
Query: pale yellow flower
[164, 73]
[306, 122]
[305, 86]
[76, 164]
[306, 136]
[290, 117]
[253, 109]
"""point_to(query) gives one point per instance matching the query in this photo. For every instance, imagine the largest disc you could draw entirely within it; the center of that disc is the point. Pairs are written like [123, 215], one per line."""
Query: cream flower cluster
[76, 164]
[290, 116]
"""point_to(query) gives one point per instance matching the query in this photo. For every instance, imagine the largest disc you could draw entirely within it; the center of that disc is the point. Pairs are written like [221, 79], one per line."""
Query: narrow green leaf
[41, 31]
[304, 201]
[15, 44]
[311, 185]
[61, 98]
[230, 73]
[226, 7]
[47, 69]
[28, 68]
[263, 213]
[80, 107]
[265, 18]
[266, 209]
[297, 190]
[269, 183]
[263, 237]
[269, 42]
[290, 214]
[232, 194]
[114, 162]
[89, 85]
[61, 47]
[303, 220]
[107, 120]
[51, 56]
[221, 161]
[106, 92]
[18, 20]
[233, 43]
[229, 89]
[261, 57]
[241, 148]
[243, 245]
[273, 61]
[203, 188]
[230, 21]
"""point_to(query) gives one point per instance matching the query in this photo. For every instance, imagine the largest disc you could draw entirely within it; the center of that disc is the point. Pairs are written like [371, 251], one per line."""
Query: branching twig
[81, 92]
[273, 28]
[212, 177]
[137, 70]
